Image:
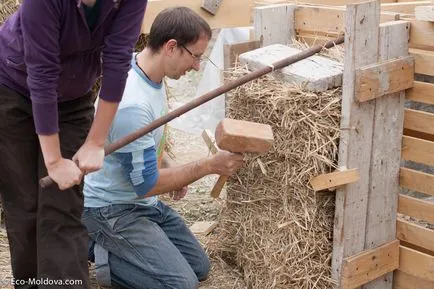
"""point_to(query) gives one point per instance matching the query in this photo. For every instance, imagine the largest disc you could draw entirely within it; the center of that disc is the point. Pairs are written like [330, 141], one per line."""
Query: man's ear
[170, 46]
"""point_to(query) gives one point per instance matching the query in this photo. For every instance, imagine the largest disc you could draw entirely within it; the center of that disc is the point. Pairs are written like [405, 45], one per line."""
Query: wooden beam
[421, 34]
[416, 208]
[403, 7]
[230, 13]
[369, 265]
[418, 134]
[423, 61]
[418, 120]
[320, 19]
[417, 150]
[209, 140]
[415, 234]
[335, 179]
[416, 181]
[231, 51]
[405, 281]
[424, 13]
[416, 263]
[274, 24]
[383, 78]
[386, 151]
[203, 227]
[421, 92]
[361, 48]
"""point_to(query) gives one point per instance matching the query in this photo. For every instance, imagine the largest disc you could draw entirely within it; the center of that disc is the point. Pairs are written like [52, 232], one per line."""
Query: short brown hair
[179, 23]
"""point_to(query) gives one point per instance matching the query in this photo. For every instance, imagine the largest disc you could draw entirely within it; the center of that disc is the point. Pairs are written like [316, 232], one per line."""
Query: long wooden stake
[47, 181]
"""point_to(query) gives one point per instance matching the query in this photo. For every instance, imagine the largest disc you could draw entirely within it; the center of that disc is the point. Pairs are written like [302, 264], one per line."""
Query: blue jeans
[149, 246]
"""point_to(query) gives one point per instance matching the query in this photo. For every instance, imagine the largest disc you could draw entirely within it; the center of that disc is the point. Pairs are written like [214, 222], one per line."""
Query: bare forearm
[101, 124]
[50, 146]
[174, 178]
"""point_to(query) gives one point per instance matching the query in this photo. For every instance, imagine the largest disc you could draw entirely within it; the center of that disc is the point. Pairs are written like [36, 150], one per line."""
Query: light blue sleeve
[128, 120]
[140, 168]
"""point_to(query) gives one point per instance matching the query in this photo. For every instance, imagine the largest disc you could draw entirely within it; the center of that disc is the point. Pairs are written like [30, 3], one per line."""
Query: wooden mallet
[239, 136]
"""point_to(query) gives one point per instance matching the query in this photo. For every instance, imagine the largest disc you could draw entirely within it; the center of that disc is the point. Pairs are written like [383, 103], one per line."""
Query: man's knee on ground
[202, 267]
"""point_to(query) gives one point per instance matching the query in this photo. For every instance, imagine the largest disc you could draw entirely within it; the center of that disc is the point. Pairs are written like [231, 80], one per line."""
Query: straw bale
[7, 8]
[274, 228]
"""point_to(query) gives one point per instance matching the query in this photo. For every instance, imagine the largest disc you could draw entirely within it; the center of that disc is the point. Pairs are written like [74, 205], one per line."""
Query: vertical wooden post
[386, 152]
[274, 24]
[361, 48]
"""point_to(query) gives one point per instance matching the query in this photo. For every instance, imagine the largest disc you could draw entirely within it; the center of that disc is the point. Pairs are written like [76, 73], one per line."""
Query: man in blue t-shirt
[136, 240]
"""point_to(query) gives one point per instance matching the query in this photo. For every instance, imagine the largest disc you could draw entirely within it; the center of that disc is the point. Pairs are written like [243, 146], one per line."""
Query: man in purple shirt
[51, 54]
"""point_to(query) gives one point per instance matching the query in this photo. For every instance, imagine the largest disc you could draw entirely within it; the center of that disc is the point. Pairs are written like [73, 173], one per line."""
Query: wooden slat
[203, 227]
[405, 281]
[361, 48]
[418, 134]
[423, 61]
[419, 121]
[415, 234]
[416, 181]
[334, 179]
[274, 24]
[369, 265]
[417, 150]
[323, 19]
[403, 7]
[421, 92]
[230, 13]
[386, 148]
[416, 263]
[231, 51]
[421, 34]
[383, 78]
[424, 13]
[416, 208]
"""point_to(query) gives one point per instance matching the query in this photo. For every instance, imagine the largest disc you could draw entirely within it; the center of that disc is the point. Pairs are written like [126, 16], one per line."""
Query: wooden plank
[274, 24]
[335, 179]
[421, 34]
[424, 13]
[419, 121]
[421, 92]
[324, 19]
[416, 181]
[369, 265]
[231, 51]
[423, 61]
[403, 7]
[230, 13]
[416, 263]
[361, 48]
[405, 281]
[415, 234]
[209, 140]
[416, 208]
[417, 150]
[383, 78]
[386, 151]
[203, 227]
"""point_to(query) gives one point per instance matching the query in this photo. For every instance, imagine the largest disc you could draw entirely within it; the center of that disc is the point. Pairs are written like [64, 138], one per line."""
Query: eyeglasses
[199, 59]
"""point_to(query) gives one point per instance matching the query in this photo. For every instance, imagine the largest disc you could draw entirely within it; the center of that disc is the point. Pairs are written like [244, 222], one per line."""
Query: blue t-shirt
[132, 170]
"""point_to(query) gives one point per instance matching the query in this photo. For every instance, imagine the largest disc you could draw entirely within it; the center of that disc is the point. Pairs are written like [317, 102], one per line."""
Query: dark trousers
[46, 236]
